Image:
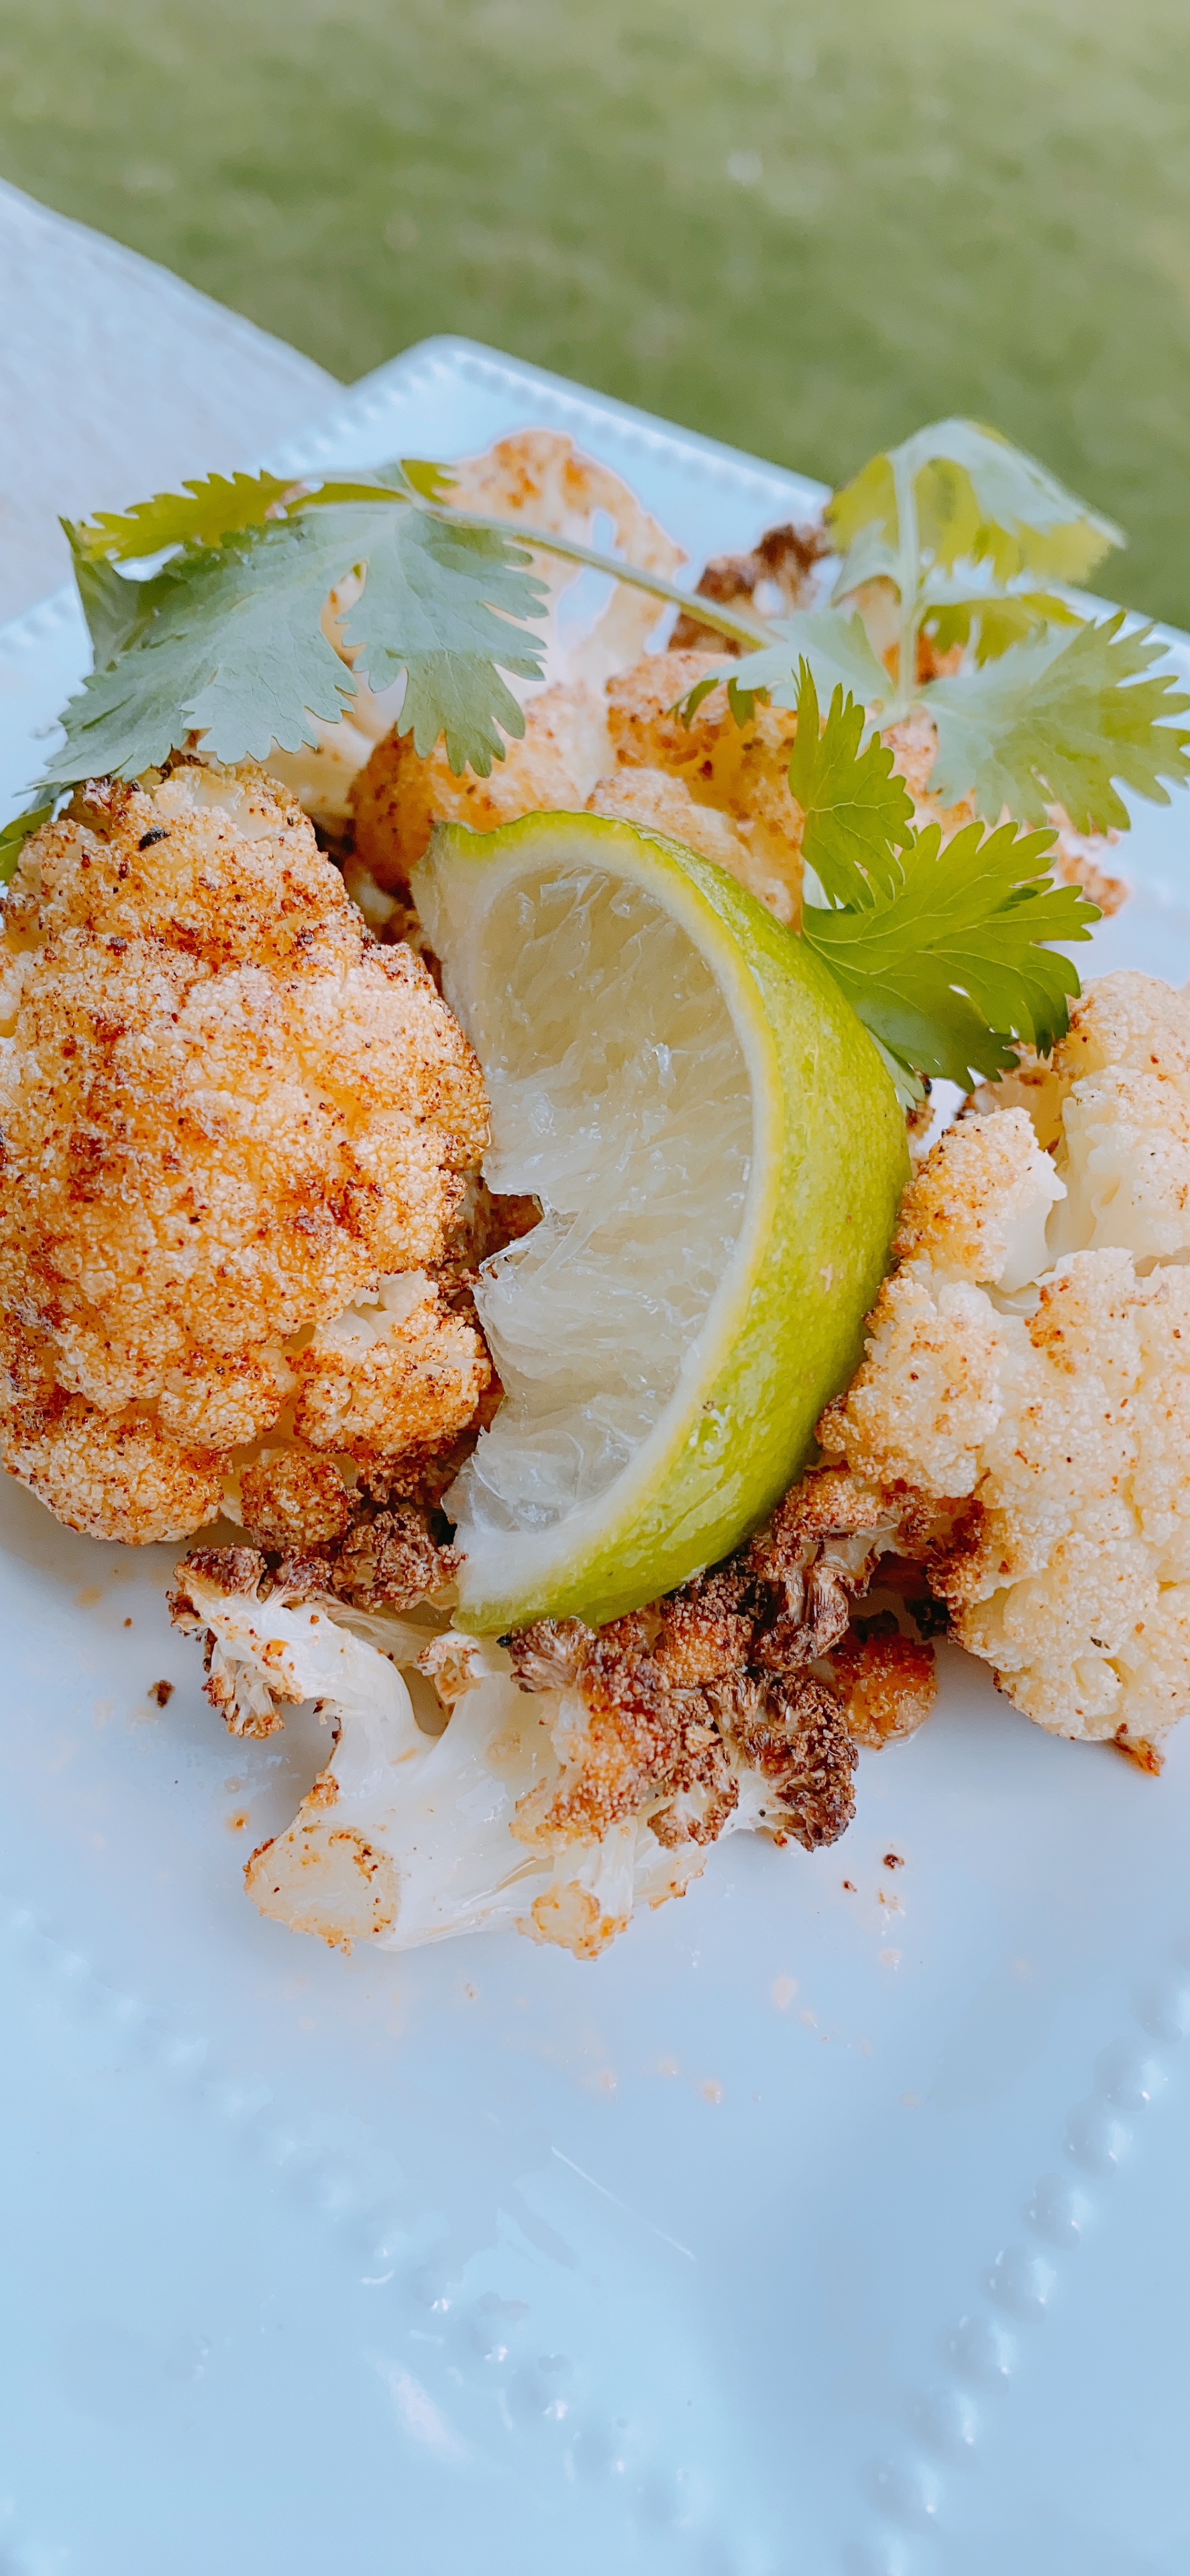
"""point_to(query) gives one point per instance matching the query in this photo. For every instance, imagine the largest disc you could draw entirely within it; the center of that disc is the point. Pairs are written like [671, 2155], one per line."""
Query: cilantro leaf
[954, 965]
[1056, 722]
[871, 558]
[909, 1086]
[208, 512]
[203, 513]
[943, 953]
[443, 602]
[835, 648]
[972, 495]
[865, 506]
[857, 813]
[996, 619]
[117, 609]
[433, 482]
[977, 495]
[233, 647]
[15, 834]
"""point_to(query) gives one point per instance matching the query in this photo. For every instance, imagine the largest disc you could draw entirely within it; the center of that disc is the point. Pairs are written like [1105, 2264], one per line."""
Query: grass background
[805, 230]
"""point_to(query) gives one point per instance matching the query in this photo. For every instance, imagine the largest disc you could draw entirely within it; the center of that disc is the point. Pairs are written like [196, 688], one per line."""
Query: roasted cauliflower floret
[399, 797]
[1024, 1403]
[664, 804]
[539, 476]
[1124, 1153]
[234, 1135]
[720, 787]
[739, 770]
[582, 1771]
[734, 1702]
[407, 1837]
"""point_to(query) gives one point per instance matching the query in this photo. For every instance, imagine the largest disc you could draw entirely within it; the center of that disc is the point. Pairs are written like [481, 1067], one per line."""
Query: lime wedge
[719, 1154]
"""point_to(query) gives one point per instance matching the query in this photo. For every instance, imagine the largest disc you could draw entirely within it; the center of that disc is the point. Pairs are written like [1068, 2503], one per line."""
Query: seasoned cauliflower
[581, 1771]
[739, 771]
[721, 787]
[399, 797]
[663, 803]
[539, 476]
[1023, 1408]
[234, 1135]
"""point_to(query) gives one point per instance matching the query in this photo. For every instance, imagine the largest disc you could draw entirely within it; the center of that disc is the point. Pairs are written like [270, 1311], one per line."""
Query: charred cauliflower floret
[775, 575]
[234, 1134]
[581, 1771]
[666, 1739]
[1023, 1407]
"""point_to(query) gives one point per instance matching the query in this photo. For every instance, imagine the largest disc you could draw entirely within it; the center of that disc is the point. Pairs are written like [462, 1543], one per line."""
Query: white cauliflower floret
[1024, 1401]
[980, 1211]
[406, 1837]
[1125, 1149]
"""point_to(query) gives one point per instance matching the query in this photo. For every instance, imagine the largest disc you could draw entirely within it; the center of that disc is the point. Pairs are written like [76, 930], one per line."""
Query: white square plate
[812, 2229]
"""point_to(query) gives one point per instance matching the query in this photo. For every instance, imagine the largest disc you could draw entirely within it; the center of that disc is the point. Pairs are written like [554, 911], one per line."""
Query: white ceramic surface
[809, 2233]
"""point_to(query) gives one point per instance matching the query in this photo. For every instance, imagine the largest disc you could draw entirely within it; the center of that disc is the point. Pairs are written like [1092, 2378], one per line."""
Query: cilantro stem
[908, 582]
[743, 629]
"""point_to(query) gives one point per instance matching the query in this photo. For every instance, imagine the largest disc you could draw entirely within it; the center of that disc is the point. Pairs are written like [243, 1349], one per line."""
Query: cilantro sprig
[858, 813]
[957, 492]
[231, 644]
[964, 535]
[205, 612]
[944, 950]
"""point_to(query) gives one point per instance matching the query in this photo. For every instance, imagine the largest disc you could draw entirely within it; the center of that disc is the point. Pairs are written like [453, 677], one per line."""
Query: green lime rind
[785, 1329]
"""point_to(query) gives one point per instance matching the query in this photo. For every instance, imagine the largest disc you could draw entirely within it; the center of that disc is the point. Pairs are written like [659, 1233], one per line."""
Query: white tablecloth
[115, 381]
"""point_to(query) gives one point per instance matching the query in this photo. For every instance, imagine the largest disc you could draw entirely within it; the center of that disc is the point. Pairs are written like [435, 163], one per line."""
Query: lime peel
[650, 931]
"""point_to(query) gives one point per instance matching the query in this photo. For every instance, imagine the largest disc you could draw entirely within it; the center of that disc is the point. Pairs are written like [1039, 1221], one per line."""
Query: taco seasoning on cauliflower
[234, 1136]
[1022, 1413]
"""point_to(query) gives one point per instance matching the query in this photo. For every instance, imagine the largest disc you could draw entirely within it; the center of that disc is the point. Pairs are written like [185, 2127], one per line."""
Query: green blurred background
[805, 230]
